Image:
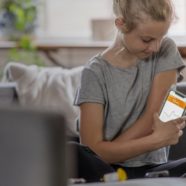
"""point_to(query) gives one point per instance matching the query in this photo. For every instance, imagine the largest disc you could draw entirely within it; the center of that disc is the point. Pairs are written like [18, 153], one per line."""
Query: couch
[55, 88]
[50, 87]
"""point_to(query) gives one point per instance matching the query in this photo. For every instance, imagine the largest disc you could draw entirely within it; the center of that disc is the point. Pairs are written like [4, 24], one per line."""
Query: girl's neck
[118, 55]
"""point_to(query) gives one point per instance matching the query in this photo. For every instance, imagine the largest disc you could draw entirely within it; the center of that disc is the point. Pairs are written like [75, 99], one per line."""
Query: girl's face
[146, 38]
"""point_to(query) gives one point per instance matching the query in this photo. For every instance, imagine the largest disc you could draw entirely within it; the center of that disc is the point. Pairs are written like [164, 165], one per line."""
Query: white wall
[71, 18]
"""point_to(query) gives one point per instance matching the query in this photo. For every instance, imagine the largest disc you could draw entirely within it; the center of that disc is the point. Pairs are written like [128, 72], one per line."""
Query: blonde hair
[133, 11]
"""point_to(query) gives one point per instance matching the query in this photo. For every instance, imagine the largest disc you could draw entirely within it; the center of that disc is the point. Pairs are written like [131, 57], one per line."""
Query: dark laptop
[32, 148]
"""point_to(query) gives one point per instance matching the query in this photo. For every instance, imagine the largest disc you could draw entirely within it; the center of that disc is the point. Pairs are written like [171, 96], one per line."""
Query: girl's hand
[168, 133]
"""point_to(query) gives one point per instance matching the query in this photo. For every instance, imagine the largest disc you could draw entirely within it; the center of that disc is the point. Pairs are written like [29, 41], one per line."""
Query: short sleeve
[168, 58]
[90, 89]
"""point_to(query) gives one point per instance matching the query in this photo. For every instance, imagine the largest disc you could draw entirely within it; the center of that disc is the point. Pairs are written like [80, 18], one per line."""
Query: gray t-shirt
[124, 92]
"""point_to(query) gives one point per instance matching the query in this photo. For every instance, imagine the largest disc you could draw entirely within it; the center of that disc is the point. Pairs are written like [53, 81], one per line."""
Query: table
[142, 182]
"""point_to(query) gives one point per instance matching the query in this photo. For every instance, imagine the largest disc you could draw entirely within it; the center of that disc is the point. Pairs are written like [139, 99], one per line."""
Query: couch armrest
[179, 150]
[8, 94]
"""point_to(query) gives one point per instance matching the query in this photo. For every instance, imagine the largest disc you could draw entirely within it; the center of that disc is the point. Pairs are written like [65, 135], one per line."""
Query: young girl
[121, 90]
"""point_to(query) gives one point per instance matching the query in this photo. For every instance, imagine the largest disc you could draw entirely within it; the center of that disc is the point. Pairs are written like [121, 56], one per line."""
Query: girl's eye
[147, 41]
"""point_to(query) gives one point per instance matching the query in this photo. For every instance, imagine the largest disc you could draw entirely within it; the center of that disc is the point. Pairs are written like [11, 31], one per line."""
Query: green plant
[18, 17]
[17, 23]
[26, 52]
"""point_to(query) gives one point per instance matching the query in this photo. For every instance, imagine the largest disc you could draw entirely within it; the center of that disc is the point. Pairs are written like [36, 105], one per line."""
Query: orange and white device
[174, 106]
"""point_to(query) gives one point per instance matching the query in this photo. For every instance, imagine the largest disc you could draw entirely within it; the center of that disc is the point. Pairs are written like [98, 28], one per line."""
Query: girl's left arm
[143, 126]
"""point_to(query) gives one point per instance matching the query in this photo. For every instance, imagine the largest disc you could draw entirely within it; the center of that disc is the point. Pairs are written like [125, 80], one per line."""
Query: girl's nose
[154, 46]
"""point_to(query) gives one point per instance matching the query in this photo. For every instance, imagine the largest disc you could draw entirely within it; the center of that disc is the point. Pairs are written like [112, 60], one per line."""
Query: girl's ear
[119, 22]
[121, 25]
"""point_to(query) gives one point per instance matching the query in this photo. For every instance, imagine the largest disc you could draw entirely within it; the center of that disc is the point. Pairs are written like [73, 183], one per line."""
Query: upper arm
[143, 126]
[168, 63]
[160, 85]
[91, 123]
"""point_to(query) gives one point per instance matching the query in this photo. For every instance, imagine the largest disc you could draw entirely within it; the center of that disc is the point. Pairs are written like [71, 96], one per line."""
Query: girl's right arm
[92, 129]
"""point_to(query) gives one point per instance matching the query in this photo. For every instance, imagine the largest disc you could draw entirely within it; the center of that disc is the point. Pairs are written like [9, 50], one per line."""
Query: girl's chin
[145, 55]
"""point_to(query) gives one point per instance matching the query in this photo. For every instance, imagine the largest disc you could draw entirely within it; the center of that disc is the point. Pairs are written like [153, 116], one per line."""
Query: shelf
[52, 43]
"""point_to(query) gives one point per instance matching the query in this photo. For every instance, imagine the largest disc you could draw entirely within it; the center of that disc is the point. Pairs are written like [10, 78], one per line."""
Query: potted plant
[18, 22]
[17, 18]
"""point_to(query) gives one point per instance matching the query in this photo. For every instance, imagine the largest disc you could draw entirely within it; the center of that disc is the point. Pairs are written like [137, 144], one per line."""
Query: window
[72, 18]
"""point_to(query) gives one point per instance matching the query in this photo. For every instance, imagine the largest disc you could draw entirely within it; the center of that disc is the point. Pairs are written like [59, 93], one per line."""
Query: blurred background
[73, 19]
[64, 32]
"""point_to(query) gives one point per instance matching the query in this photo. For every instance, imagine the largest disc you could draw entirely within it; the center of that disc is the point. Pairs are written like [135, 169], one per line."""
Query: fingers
[183, 119]
[180, 123]
[180, 133]
[181, 126]
[180, 120]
